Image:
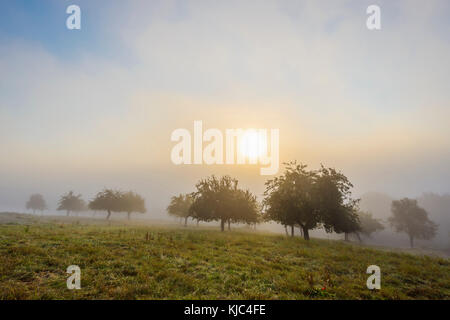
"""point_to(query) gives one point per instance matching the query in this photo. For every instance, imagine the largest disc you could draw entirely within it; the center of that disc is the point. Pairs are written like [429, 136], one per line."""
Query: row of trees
[106, 200]
[302, 198]
[298, 198]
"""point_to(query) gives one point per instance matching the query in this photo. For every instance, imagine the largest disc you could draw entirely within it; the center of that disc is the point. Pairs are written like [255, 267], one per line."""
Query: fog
[157, 188]
[95, 108]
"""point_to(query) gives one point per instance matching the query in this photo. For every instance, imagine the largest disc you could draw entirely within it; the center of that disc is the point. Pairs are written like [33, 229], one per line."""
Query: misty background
[94, 108]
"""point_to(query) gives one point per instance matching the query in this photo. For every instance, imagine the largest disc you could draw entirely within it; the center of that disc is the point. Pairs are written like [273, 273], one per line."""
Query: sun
[253, 144]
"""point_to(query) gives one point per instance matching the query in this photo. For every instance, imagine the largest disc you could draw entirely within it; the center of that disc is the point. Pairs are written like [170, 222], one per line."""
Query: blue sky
[102, 101]
[43, 22]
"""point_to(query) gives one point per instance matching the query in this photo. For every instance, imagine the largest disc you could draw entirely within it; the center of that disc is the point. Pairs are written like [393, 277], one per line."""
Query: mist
[95, 109]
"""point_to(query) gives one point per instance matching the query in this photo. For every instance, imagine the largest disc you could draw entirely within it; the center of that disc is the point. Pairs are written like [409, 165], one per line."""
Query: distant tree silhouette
[36, 202]
[108, 200]
[310, 199]
[408, 217]
[438, 207]
[71, 203]
[132, 202]
[221, 199]
[179, 206]
[369, 224]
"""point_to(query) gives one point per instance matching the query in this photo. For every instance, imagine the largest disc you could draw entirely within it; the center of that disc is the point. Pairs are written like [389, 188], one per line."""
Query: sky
[92, 108]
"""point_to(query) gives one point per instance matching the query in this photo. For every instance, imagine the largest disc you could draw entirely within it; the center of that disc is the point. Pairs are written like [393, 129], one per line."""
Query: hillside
[130, 261]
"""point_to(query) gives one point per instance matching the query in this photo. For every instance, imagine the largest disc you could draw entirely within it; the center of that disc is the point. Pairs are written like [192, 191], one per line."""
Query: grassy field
[120, 261]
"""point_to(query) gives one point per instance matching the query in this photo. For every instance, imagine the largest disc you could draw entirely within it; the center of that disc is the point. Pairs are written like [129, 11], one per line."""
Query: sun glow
[253, 144]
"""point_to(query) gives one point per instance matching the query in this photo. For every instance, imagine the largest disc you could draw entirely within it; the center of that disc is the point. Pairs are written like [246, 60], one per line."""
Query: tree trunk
[185, 221]
[229, 228]
[129, 215]
[301, 231]
[109, 214]
[222, 225]
[305, 233]
[346, 236]
[292, 230]
[197, 222]
[287, 233]
[411, 241]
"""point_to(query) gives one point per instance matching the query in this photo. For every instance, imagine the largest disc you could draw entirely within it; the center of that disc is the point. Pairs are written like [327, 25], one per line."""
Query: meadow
[121, 260]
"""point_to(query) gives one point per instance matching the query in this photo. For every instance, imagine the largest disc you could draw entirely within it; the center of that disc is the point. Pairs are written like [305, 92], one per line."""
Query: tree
[36, 202]
[289, 199]
[132, 202]
[107, 200]
[369, 224]
[347, 222]
[310, 199]
[337, 209]
[408, 217]
[71, 202]
[246, 208]
[221, 199]
[179, 206]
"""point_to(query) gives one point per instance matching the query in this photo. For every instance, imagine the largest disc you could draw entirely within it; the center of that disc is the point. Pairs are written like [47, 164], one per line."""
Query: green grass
[117, 262]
